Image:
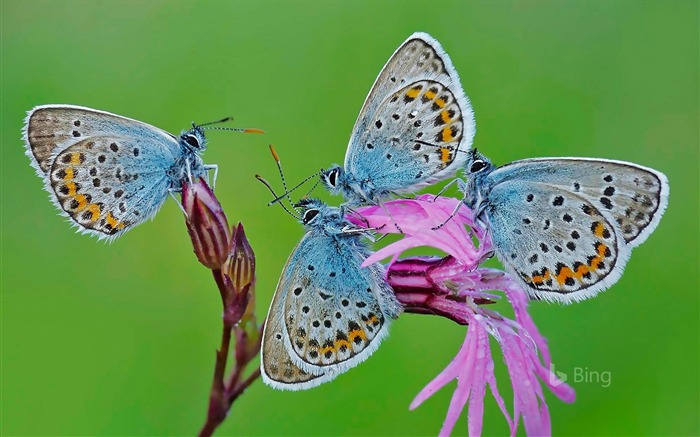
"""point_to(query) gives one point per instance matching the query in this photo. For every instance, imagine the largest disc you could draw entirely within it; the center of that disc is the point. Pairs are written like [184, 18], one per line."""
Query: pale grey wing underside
[108, 185]
[632, 197]
[556, 243]
[277, 368]
[49, 129]
[419, 73]
[328, 313]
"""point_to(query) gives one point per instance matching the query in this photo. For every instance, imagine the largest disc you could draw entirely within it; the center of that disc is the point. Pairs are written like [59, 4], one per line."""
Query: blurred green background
[119, 339]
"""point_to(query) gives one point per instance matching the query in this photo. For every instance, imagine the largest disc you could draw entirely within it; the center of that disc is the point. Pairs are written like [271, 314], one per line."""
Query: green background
[119, 339]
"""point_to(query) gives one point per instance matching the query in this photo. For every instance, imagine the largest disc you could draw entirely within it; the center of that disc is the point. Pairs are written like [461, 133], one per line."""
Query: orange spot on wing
[430, 94]
[447, 135]
[71, 189]
[539, 279]
[113, 222]
[82, 201]
[445, 116]
[371, 320]
[94, 209]
[602, 248]
[444, 154]
[69, 174]
[352, 335]
[440, 102]
[598, 230]
[75, 158]
[564, 274]
[580, 271]
[341, 343]
[413, 93]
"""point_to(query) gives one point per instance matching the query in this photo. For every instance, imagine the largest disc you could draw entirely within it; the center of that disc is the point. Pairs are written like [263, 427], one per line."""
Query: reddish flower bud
[206, 224]
[239, 276]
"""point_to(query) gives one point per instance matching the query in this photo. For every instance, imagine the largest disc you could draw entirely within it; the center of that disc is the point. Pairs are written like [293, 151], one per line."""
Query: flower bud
[239, 274]
[206, 223]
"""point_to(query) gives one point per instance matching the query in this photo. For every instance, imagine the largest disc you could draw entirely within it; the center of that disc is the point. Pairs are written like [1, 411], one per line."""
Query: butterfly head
[333, 179]
[477, 165]
[193, 140]
[314, 213]
[476, 169]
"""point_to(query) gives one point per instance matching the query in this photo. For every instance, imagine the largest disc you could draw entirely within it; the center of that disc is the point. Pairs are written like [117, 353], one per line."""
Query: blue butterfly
[411, 128]
[328, 313]
[565, 227]
[109, 173]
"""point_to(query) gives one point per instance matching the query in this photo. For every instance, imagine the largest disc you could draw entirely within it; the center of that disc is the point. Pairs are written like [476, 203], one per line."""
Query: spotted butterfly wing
[110, 184]
[328, 314]
[565, 227]
[277, 368]
[49, 129]
[413, 122]
[105, 172]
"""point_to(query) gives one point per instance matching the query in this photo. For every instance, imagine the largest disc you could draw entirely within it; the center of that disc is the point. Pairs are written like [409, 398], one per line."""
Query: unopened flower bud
[239, 273]
[206, 224]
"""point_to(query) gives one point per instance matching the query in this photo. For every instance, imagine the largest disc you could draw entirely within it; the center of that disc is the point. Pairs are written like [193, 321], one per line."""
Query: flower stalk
[229, 256]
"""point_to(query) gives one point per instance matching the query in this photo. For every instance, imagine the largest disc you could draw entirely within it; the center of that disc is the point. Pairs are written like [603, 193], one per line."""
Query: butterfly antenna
[269, 187]
[296, 187]
[235, 129]
[318, 181]
[223, 120]
[288, 192]
[281, 172]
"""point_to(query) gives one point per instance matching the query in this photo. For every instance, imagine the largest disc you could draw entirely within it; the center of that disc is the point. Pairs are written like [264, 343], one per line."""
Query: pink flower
[457, 288]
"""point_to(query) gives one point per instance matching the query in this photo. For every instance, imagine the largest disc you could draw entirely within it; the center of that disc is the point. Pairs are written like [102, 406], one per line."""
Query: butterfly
[109, 173]
[565, 227]
[328, 313]
[412, 130]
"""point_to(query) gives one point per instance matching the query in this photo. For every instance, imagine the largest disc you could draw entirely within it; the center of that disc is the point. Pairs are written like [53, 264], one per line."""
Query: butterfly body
[565, 227]
[105, 172]
[411, 130]
[328, 313]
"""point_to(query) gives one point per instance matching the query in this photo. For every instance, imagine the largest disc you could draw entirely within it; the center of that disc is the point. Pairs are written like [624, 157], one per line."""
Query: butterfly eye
[309, 215]
[333, 177]
[192, 141]
[477, 165]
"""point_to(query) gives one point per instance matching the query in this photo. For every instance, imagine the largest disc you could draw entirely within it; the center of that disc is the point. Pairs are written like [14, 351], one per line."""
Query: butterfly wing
[413, 122]
[49, 129]
[328, 313]
[553, 228]
[105, 172]
[559, 253]
[631, 196]
[276, 366]
[108, 185]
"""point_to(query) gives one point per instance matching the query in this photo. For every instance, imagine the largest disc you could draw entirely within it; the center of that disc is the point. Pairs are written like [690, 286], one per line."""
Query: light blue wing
[632, 197]
[335, 313]
[50, 129]
[108, 185]
[565, 227]
[555, 242]
[413, 122]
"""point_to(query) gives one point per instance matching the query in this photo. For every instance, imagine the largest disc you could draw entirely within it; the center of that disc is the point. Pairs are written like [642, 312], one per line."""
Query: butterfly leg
[172, 192]
[209, 167]
[396, 225]
[448, 185]
[355, 212]
[353, 231]
[454, 213]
